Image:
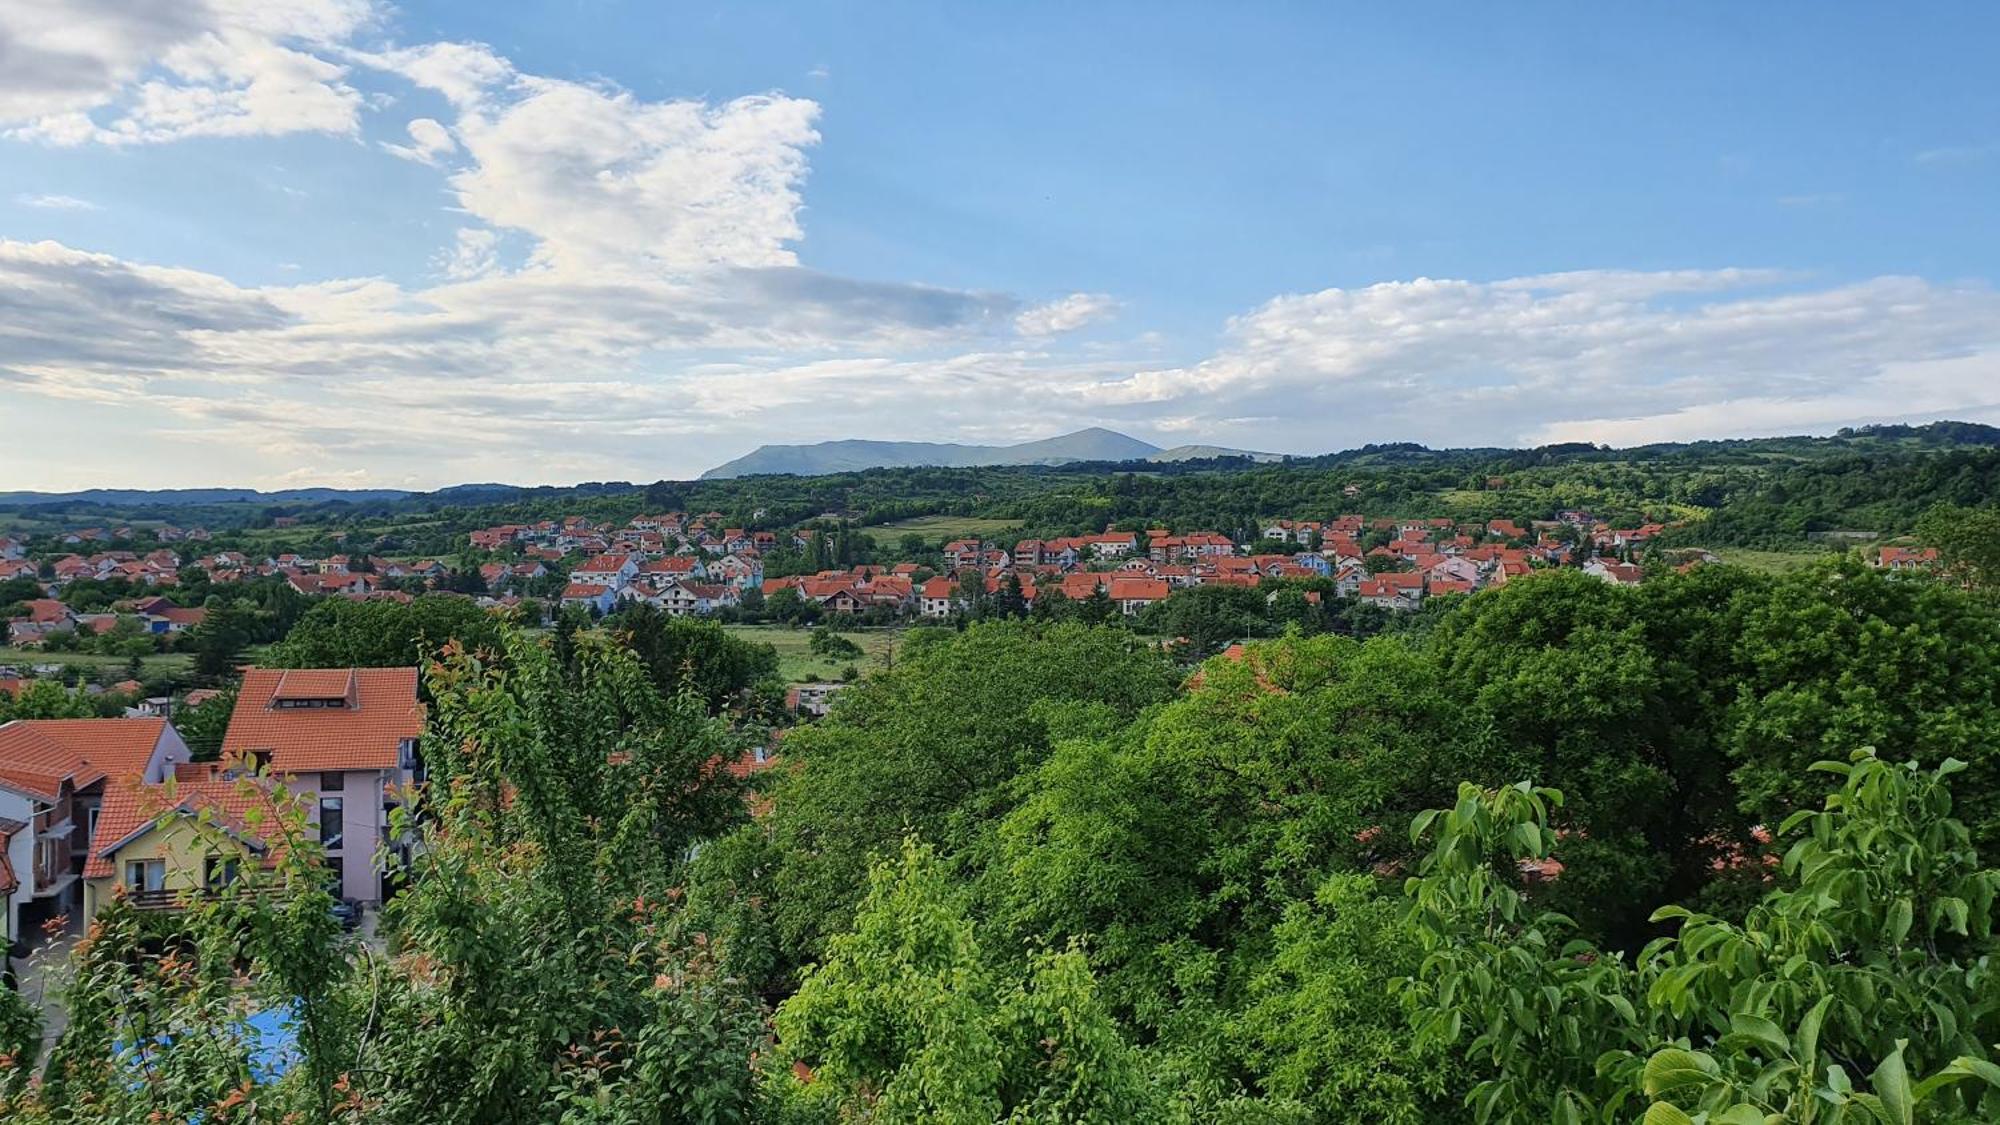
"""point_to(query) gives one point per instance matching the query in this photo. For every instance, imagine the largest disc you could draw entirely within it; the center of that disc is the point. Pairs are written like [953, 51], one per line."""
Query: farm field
[796, 662]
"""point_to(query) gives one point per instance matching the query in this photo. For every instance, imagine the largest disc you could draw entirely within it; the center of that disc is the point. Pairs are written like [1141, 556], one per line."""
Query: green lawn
[796, 662]
[942, 527]
[169, 664]
[1769, 562]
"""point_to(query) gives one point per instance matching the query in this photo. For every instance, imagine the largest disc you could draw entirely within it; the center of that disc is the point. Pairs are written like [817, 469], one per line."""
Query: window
[332, 826]
[146, 875]
[332, 781]
[219, 871]
[91, 826]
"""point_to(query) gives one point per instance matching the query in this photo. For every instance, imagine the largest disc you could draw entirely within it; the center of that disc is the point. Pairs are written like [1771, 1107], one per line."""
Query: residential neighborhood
[96, 808]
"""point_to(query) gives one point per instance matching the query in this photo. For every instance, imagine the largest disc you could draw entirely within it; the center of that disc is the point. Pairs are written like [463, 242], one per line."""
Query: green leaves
[1675, 1068]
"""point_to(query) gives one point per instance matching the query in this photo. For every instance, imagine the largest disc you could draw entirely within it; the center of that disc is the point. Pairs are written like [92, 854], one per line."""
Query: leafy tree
[686, 654]
[1869, 962]
[218, 642]
[339, 633]
[1967, 539]
[46, 699]
[825, 642]
[931, 745]
[1843, 656]
[1174, 846]
[203, 726]
[1201, 620]
[904, 1022]
[1320, 1028]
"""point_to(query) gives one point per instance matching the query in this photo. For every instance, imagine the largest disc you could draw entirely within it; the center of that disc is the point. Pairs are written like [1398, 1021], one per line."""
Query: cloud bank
[621, 296]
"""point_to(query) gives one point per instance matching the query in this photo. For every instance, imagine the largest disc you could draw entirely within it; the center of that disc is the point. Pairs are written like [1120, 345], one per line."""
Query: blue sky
[332, 241]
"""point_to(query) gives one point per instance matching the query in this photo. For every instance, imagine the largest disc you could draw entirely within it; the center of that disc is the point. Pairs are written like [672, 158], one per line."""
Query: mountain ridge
[1094, 444]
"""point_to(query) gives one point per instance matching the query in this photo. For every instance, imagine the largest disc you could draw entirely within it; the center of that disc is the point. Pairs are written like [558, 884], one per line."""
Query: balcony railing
[173, 899]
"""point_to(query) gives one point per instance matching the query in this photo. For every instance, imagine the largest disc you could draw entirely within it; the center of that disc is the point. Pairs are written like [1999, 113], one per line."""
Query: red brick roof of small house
[584, 590]
[603, 564]
[939, 587]
[46, 611]
[198, 789]
[1907, 556]
[1133, 588]
[36, 755]
[380, 710]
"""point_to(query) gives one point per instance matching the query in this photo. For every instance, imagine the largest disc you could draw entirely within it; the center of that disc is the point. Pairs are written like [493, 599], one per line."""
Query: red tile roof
[366, 734]
[37, 754]
[129, 809]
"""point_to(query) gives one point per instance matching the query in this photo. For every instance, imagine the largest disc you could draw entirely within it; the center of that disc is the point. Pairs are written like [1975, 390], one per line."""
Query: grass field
[170, 664]
[942, 527]
[1769, 562]
[796, 662]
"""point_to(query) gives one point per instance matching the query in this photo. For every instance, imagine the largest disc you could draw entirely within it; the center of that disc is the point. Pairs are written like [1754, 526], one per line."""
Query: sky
[278, 243]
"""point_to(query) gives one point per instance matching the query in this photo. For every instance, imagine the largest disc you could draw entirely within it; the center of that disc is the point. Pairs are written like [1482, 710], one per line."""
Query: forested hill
[1762, 491]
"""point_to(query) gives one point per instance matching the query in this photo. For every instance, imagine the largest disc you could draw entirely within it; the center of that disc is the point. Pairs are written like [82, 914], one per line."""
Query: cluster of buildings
[42, 618]
[689, 564]
[682, 564]
[1419, 558]
[90, 808]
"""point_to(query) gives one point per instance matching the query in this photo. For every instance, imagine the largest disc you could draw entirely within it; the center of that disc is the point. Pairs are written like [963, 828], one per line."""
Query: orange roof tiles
[365, 734]
[36, 755]
[314, 683]
[129, 810]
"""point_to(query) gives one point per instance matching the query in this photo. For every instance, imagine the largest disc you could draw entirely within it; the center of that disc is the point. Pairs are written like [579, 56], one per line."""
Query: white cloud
[56, 202]
[131, 71]
[603, 180]
[1461, 362]
[474, 253]
[463, 72]
[1065, 315]
[655, 238]
[428, 142]
[539, 375]
[1956, 154]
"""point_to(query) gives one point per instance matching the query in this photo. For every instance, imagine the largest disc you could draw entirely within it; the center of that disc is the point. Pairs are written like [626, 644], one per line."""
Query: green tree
[1853, 991]
[904, 1022]
[339, 633]
[932, 745]
[825, 642]
[687, 654]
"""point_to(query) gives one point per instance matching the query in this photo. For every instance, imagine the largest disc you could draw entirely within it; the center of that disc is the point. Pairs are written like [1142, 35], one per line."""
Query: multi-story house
[53, 777]
[345, 739]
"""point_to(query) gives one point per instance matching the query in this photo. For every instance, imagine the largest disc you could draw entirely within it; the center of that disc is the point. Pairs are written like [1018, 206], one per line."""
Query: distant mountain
[189, 497]
[1206, 452]
[847, 456]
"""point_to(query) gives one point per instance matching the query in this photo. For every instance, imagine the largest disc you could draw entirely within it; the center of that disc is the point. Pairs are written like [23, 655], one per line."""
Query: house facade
[345, 739]
[54, 774]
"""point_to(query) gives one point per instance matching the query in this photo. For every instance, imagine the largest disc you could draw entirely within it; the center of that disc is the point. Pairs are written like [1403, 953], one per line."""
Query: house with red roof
[1907, 558]
[938, 596]
[346, 740]
[588, 595]
[190, 835]
[1615, 572]
[1134, 593]
[53, 778]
